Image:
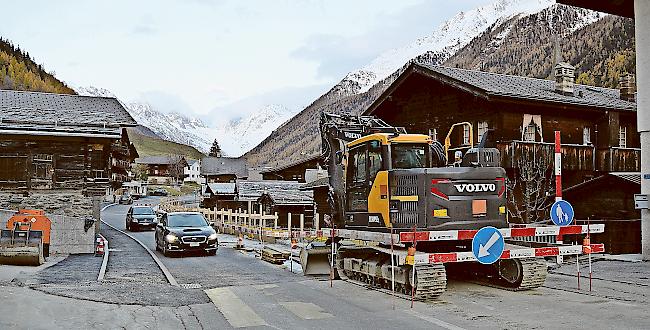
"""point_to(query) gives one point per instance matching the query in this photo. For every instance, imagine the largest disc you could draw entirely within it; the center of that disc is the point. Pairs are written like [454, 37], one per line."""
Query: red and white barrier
[433, 258]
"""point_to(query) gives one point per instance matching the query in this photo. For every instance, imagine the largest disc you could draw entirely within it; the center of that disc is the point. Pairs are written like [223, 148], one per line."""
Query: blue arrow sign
[562, 213]
[488, 245]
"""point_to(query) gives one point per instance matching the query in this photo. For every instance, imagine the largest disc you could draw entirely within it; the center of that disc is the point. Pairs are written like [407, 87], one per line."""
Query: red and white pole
[558, 167]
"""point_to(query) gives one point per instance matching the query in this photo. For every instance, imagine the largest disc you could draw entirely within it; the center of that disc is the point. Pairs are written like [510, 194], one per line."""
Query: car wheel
[165, 252]
[128, 226]
[211, 252]
[157, 246]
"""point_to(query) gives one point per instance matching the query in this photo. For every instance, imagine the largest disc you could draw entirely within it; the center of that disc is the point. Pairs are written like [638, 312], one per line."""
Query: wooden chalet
[220, 195]
[293, 171]
[320, 187]
[164, 170]
[597, 125]
[223, 169]
[282, 197]
[63, 142]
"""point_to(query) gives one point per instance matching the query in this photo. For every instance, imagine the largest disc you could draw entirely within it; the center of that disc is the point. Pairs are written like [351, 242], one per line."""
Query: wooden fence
[255, 224]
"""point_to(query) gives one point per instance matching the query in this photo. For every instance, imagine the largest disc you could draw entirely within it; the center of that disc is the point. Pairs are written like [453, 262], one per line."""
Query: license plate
[194, 244]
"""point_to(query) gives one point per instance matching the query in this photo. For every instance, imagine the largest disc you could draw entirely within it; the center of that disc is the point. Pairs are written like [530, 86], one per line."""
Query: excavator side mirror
[339, 157]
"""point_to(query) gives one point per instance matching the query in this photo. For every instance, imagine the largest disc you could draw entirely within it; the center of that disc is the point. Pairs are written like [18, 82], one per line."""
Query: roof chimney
[627, 86]
[564, 78]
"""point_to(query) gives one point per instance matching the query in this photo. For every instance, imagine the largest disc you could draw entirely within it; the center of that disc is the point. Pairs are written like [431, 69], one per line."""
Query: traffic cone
[586, 245]
[99, 247]
[240, 242]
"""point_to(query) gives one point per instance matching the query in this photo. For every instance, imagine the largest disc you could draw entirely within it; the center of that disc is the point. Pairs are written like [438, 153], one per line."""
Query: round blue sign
[488, 245]
[562, 213]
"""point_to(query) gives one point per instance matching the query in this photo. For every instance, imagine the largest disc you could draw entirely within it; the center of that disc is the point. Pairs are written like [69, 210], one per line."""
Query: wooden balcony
[574, 156]
[619, 160]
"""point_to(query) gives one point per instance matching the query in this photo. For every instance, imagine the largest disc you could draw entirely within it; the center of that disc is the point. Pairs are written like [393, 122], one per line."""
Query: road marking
[265, 286]
[236, 312]
[434, 320]
[306, 311]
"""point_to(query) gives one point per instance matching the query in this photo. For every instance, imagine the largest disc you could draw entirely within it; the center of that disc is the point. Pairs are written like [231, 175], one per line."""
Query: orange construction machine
[26, 241]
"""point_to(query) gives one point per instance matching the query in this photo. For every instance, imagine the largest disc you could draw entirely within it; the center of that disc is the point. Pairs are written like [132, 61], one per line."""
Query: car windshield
[186, 220]
[143, 211]
[408, 155]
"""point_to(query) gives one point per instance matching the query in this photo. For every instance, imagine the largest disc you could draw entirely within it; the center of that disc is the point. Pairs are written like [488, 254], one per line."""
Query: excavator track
[430, 280]
[513, 274]
[534, 274]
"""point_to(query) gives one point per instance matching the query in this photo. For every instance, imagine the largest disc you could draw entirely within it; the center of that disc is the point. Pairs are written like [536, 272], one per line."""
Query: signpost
[488, 245]
[562, 213]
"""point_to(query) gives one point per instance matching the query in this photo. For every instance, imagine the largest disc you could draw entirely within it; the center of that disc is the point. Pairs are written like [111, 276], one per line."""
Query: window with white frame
[482, 128]
[586, 135]
[530, 131]
[466, 134]
[622, 136]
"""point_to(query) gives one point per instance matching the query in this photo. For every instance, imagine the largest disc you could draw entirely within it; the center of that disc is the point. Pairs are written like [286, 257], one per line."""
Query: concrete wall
[67, 210]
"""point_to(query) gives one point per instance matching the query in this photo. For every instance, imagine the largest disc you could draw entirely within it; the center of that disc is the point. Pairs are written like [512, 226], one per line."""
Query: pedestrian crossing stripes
[239, 314]
[236, 312]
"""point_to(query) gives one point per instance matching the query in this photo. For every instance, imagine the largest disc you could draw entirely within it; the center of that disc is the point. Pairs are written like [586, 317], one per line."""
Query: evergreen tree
[215, 150]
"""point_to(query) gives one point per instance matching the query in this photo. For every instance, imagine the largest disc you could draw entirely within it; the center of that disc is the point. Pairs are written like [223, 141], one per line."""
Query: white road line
[236, 312]
[434, 320]
[168, 275]
[306, 311]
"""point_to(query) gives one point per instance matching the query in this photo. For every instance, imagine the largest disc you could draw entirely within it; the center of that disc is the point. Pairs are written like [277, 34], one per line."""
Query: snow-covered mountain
[235, 137]
[440, 44]
[240, 135]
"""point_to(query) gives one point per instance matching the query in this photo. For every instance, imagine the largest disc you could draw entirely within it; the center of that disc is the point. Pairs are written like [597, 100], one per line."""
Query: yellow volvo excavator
[385, 180]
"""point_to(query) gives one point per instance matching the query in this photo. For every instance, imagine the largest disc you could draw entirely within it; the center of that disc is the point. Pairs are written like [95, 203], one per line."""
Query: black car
[159, 192]
[140, 217]
[185, 232]
[126, 199]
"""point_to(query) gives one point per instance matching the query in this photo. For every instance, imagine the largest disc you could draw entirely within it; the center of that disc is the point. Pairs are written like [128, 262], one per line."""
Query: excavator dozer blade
[314, 259]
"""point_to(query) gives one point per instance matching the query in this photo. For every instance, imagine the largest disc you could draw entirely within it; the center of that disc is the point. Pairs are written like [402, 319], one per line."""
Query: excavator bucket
[21, 247]
[314, 259]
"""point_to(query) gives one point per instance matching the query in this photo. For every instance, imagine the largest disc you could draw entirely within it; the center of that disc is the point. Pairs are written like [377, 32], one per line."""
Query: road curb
[168, 275]
[102, 269]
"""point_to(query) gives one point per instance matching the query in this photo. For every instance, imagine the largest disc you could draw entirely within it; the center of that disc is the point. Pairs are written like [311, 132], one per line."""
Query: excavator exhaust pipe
[314, 259]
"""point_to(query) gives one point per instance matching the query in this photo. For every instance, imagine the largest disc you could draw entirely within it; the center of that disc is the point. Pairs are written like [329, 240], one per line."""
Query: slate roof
[634, 177]
[222, 188]
[159, 160]
[318, 183]
[292, 164]
[38, 113]
[223, 166]
[518, 87]
[282, 192]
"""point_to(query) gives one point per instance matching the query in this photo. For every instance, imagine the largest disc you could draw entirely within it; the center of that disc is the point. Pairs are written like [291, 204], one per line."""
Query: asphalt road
[245, 291]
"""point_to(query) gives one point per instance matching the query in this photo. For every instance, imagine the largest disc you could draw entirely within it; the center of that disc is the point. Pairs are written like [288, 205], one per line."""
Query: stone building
[58, 153]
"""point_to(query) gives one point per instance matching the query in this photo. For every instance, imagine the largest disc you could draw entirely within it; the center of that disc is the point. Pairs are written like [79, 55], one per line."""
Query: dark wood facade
[93, 165]
[292, 172]
[429, 102]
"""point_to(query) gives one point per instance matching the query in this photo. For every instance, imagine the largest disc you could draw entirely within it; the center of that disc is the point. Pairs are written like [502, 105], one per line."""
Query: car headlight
[171, 238]
[212, 237]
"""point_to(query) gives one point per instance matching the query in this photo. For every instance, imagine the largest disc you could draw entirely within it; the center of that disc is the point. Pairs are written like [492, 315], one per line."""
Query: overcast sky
[195, 56]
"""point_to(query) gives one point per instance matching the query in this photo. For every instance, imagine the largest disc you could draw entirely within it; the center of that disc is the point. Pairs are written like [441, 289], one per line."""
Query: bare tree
[177, 167]
[531, 188]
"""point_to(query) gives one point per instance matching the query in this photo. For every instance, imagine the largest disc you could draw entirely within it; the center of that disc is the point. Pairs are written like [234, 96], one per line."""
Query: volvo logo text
[475, 187]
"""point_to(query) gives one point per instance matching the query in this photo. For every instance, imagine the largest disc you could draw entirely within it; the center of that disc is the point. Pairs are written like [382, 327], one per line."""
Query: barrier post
[275, 221]
[316, 222]
[289, 225]
[302, 225]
